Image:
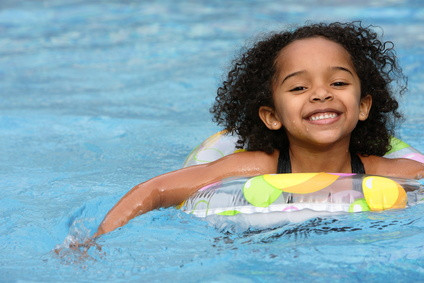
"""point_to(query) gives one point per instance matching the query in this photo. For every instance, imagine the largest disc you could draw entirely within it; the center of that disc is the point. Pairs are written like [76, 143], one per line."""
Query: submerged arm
[174, 187]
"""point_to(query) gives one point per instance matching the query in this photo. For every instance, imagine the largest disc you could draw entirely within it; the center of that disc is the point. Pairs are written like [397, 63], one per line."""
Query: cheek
[356, 108]
[290, 114]
[353, 114]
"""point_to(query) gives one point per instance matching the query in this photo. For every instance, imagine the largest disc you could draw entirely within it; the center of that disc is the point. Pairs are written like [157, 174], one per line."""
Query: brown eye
[339, 84]
[298, 88]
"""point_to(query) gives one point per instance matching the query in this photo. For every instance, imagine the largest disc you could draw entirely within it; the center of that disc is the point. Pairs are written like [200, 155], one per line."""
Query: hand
[73, 251]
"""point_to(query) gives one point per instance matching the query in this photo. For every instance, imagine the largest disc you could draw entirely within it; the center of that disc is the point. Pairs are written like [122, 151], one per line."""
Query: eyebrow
[292, 75]
[342, 69]
[337, 68]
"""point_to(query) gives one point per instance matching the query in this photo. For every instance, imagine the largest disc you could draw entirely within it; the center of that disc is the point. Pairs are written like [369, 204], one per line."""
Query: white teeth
[323, 116]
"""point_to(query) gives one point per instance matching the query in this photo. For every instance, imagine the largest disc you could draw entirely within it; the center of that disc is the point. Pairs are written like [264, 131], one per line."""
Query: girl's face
[317, 94]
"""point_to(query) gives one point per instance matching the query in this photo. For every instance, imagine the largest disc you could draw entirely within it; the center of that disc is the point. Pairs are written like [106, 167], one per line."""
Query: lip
[322, 111]
[325, 121]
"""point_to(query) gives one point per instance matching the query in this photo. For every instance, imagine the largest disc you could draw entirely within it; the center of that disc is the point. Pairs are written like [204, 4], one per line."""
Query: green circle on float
[229, 212]
[359, 205]
[260, 193]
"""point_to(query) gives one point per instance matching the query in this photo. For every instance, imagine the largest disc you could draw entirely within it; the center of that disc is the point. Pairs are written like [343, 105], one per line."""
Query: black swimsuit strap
[356, 164]
[284, 164]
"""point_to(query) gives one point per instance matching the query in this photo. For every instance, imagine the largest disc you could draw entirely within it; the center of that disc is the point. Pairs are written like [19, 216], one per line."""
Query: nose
[321, 94]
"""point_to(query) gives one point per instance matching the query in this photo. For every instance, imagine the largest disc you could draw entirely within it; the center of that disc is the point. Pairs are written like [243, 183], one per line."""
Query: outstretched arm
[172, 188]
[148, 196]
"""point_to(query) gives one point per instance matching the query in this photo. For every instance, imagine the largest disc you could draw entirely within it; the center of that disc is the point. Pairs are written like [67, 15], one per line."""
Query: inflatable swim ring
[265, 200]
[297, 191]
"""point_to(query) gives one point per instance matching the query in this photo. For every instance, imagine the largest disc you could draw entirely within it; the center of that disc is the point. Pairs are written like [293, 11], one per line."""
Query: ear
[270, 119]
[364, 107]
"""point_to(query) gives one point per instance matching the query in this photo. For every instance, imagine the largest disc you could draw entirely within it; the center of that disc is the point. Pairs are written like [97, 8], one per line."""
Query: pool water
[98, 96]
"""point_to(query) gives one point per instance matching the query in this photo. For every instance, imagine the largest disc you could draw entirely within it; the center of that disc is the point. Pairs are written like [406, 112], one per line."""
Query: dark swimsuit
[284, 164]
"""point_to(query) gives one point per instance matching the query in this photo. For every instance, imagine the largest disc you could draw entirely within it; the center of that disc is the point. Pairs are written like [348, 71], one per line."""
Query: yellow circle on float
[380, 193]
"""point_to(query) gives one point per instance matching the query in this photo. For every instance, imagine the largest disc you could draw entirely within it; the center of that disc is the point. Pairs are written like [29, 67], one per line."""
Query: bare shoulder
[246, 163]
[397, 167]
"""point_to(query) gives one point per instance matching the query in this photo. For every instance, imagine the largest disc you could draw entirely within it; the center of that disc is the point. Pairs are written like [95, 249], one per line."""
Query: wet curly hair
[248, 86]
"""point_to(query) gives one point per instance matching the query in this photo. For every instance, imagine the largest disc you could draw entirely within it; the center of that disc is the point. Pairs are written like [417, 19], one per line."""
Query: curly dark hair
[249, 86]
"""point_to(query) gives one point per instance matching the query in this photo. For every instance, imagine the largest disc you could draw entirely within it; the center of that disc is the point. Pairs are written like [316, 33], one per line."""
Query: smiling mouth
[323, 116]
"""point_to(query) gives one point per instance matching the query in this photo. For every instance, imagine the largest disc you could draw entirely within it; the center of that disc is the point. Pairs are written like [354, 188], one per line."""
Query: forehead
[313, 51]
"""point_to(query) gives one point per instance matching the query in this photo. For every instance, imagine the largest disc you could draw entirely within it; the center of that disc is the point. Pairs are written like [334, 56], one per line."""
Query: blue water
[98, 96]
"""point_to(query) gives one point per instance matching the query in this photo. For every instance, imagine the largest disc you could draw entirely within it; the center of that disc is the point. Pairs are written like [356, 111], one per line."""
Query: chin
[330, 140]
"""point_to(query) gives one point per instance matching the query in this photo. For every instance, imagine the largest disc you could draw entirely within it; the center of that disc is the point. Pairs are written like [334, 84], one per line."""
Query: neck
[333, 159]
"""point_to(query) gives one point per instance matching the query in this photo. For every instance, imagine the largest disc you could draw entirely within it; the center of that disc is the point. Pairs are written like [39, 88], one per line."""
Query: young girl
[316, 99]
